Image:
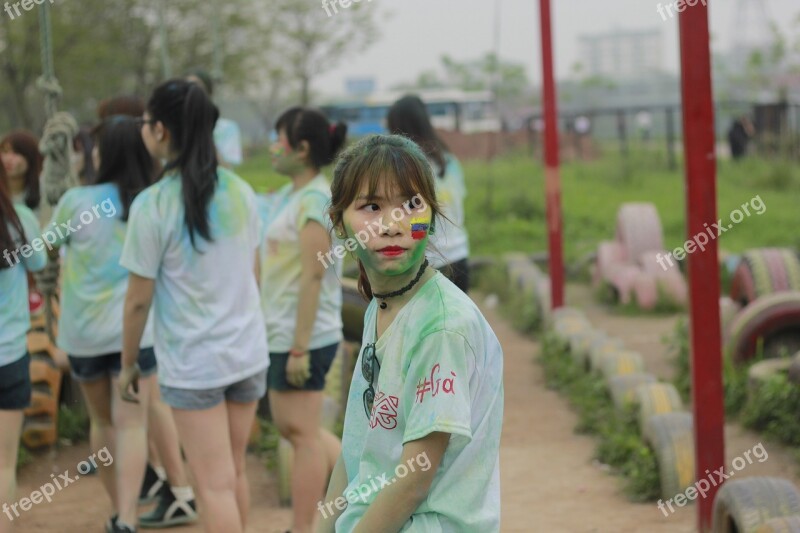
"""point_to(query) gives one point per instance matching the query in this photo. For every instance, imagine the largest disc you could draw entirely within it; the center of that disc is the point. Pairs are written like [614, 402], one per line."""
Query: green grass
[505, 205]
[73, 424]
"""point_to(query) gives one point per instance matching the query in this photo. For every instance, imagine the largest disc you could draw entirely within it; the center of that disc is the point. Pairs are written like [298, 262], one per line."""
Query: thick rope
[56, 147]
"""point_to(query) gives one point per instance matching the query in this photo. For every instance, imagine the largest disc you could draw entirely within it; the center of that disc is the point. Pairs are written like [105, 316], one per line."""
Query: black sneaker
[113, 527]
[170, 512]
[111, 524]
[151, 486]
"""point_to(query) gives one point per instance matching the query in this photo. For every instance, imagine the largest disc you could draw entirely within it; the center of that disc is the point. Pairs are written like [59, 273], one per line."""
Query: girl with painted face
[449, 250]
[302, 301]
[18, 226]
[191, 253]
[93, 287]
[425, 407]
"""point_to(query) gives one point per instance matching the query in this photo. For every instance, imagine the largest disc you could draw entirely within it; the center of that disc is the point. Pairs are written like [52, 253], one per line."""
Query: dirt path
[549, 480]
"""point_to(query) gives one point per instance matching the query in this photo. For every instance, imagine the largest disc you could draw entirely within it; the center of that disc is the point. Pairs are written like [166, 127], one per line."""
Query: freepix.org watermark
[701, 239]
[373, 229]
[678, 7]
[327, 5]
[60, 482]
[12, 8]
[373, 485]
[713, 479]
[59, 232]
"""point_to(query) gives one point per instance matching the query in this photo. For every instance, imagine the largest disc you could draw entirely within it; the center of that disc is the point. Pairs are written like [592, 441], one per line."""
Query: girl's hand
[298, 369]
[129, 377]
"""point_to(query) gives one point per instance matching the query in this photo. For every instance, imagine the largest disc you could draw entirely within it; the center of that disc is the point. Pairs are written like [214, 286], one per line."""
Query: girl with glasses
[420, 449]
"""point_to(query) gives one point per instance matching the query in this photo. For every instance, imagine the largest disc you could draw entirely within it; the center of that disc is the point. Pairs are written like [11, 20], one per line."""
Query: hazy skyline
[418, 32]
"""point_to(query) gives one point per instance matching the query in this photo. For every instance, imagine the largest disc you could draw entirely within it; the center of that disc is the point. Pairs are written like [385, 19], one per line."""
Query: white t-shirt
[441, 369]
[286, 213]
[228, 140]
[15, 318]
[450, 238]
[93, 283]
[209, 330]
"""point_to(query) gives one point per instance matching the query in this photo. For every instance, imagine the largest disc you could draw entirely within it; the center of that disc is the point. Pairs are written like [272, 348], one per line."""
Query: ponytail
[324, 139]
[187, 112]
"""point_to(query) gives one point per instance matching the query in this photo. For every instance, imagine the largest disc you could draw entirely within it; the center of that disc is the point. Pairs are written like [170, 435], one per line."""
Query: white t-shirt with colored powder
[228, 140]
[450, 238]
[286, 213]
[441, 369]
[15, 318]
[89, 226]
[209, 330]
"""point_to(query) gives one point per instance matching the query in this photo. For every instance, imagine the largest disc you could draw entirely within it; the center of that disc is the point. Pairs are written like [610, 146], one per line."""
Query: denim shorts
[247, 390]
[87, 369]
[15, 384]
[321, 361]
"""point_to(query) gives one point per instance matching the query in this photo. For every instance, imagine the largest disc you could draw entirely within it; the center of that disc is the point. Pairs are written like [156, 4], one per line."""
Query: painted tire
[727, 311]
[639, 229]
[786, 524]
[765, 271]
[645, 291]
[610, 254]
[623, 279]
[581, 343]
[765, 317]
[656, 399]
[746, 504]
[762, 371]
[600, 349]
[623, 388]
[670, 437]
[622, 363]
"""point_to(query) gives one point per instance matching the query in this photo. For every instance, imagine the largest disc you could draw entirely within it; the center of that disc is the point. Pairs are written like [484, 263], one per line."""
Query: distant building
[622, 55]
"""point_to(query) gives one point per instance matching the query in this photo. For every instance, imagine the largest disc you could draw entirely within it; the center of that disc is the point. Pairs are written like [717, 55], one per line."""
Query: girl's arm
[396, 502]
[336, 486]
[314, 241]
[137, 306]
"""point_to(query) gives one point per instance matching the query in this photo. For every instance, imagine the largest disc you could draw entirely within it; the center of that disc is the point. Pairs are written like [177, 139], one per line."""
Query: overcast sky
[418, 32]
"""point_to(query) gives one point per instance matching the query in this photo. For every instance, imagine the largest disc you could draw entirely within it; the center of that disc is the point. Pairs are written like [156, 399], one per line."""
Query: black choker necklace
[405, 289]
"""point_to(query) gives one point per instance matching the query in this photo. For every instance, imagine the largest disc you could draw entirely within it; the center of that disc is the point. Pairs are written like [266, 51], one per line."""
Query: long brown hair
[26, 144]
[409, 117]
[8, 220]
[375, 159]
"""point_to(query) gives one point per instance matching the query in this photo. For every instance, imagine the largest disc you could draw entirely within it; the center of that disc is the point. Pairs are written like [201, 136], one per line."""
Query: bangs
[394, 171]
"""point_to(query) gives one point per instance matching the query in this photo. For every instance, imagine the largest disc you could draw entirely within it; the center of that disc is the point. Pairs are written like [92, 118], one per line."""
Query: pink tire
[645, 290]
[639, 229]
[623, 279]
[609, 255]
[768, 316]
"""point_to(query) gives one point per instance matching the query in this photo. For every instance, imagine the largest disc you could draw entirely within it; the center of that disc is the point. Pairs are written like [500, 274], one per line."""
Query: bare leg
[11, 422]
[240, 422]
[130, 422]
[297, 416]
[207, 443]
[164, 435]
[333, 448]
[101, 430]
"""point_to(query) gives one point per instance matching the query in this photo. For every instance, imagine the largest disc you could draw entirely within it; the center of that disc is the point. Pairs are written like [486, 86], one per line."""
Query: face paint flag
[419, 228]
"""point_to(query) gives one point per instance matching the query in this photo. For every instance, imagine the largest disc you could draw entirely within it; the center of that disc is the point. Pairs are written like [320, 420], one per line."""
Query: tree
[307, 41]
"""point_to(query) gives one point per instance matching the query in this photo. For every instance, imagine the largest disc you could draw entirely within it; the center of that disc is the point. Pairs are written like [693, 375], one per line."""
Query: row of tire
[742, 505]
[763, 305]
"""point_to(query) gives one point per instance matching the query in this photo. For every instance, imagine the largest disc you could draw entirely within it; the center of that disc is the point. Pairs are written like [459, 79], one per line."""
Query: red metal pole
[552, 179]
[701, 210]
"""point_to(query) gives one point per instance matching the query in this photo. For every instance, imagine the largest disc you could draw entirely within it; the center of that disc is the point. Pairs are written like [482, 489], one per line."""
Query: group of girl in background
[222, 296]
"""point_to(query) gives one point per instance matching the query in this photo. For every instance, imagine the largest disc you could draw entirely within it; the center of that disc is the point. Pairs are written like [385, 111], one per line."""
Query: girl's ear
[303, 151]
